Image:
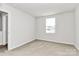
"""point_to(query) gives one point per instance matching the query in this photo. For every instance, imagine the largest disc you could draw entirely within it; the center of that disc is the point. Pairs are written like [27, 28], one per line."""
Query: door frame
[4, 29]
[9, 26]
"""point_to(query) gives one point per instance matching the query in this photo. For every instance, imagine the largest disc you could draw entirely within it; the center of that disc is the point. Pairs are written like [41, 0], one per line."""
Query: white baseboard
[44, 40]
[20, 45]
[76, 47]
[57, 41]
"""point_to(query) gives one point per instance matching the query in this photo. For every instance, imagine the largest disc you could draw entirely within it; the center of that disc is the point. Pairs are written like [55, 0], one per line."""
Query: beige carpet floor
[41, 48]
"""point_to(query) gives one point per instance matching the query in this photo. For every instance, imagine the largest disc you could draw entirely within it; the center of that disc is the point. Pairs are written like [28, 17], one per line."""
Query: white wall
[20, 27]
[64, 28]
[77, 27]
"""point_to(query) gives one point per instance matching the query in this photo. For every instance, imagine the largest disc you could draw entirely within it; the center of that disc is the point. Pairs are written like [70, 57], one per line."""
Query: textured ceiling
[43, 9]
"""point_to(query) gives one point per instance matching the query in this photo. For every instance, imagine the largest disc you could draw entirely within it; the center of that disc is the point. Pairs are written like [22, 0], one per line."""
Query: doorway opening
[3, 30]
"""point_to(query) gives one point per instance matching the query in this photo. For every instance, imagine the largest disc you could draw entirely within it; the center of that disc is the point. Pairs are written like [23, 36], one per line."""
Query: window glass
[50, 25]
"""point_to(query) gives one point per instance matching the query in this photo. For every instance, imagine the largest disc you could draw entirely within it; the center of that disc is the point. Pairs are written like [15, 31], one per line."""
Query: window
[50, 25]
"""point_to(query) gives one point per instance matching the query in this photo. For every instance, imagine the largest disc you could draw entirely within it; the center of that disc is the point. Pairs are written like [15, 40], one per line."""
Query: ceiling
[43, 9]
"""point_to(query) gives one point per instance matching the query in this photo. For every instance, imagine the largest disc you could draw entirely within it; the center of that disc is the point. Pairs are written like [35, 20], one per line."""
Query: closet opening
[3, 30]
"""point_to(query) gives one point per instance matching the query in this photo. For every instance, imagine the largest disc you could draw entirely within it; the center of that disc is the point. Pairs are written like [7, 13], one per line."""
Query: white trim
[2, 8]
[20, 45]
[4, 38]
[57, 41]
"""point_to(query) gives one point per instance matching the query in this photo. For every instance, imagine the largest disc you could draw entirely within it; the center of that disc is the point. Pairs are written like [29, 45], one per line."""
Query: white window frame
[51, 25]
